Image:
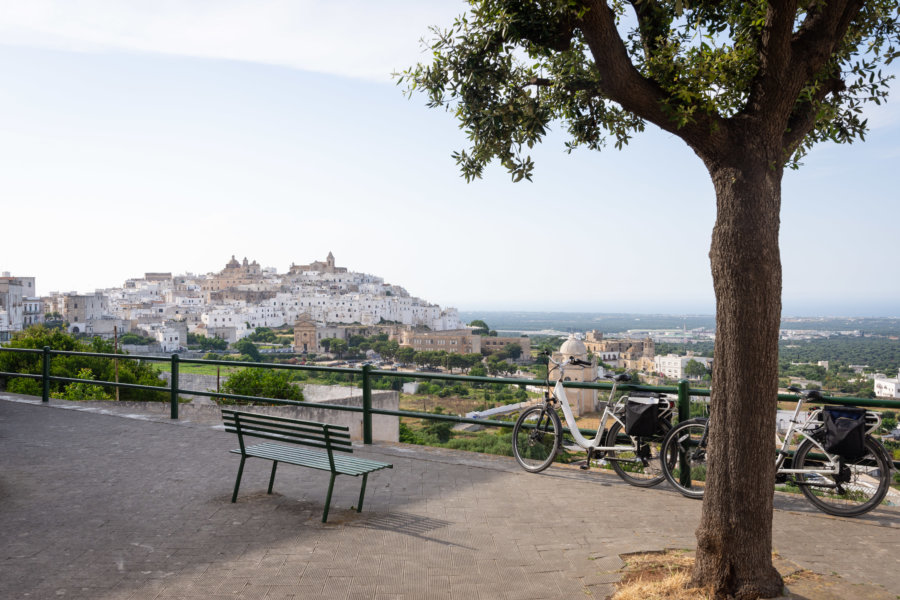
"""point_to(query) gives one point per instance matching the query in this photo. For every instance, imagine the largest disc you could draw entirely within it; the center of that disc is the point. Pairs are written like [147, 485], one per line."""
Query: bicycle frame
[803, 429]
[559, 394]
[798, 429]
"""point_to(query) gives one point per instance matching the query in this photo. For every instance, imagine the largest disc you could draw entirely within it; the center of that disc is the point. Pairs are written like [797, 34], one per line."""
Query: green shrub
[83, 391]
[260, 382]
[29, 387]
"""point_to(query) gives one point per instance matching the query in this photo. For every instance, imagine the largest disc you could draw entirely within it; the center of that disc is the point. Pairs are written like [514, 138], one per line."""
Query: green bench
[321, 440]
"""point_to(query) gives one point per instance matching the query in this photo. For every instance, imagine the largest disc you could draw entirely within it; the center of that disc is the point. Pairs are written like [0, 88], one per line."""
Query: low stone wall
[384, 428]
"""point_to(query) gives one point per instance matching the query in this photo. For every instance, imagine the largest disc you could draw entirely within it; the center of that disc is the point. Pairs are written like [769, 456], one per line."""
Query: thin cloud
[353, 38]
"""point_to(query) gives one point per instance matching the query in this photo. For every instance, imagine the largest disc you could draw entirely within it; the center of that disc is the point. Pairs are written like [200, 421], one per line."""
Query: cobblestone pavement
[103, 507]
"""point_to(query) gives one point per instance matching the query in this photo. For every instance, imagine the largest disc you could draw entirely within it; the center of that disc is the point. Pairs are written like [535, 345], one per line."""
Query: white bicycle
[838, 481]
[631, 445]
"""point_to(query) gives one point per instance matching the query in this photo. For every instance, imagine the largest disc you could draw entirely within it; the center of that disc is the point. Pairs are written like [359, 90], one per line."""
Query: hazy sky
[169, 135]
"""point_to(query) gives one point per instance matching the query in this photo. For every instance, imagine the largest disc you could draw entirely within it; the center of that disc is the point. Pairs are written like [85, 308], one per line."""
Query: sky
[168, 136]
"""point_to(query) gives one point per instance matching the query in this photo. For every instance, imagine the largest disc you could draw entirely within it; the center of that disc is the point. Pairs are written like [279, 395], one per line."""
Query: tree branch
[803, 120]
[653, 23]
[772, 91]
[825, 26]
[622, 83]
[575, 86]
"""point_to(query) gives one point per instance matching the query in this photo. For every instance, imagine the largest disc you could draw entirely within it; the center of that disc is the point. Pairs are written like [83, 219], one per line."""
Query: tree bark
[734, 539]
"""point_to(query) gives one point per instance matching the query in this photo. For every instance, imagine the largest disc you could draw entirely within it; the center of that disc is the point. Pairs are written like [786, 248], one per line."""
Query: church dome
[573, 347]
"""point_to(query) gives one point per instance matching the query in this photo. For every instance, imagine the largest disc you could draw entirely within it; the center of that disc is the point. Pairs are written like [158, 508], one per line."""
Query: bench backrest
[282, 429]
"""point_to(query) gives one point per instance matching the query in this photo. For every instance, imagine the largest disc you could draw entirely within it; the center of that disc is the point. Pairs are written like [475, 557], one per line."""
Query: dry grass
[658, 576]
[666, 576]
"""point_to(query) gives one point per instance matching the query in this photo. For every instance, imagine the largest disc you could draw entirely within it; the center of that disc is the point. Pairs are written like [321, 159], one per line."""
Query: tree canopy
[603, 70]
[750, 87]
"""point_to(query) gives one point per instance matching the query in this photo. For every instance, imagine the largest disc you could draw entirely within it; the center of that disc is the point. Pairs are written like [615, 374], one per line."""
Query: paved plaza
[114, 506]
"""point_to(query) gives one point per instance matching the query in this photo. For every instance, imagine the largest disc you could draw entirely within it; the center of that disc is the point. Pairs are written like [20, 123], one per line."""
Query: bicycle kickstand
[587, 463]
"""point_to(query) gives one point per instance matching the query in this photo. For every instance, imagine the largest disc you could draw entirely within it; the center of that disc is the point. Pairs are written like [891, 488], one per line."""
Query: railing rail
[366, 373]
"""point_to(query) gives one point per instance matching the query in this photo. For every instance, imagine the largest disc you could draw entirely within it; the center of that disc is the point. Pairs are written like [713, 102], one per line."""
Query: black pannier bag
[641, 415]
[845, 431]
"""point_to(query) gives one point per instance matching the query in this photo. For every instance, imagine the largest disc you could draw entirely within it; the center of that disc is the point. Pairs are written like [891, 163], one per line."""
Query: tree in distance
[695, 368]
[750, 87]
[481, 328]
[248, 349]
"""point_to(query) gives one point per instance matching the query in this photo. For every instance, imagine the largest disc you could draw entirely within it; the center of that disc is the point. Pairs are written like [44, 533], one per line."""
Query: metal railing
[367, 373]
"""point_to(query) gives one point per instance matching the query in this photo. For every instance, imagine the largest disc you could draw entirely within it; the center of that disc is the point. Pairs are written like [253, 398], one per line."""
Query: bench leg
[237, 482]
[362, 493]
[328, 499]
[272, 478]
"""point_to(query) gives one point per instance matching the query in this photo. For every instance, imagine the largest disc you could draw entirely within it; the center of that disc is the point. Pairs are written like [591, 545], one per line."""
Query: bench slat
[248, 424]
[346, 465]
[319, 441]
[265, 421]
[311, 444]
[229, 413]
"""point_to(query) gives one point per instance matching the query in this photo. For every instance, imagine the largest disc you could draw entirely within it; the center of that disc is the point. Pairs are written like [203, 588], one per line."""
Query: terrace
[112, 503]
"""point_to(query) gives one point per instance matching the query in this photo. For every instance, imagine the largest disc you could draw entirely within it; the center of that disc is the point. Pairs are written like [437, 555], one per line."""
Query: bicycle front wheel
[640, 465]
[683, 457]
[537, 437]
[859, 487]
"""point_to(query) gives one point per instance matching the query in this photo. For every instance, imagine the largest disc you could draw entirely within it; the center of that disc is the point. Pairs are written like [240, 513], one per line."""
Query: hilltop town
[229, 304]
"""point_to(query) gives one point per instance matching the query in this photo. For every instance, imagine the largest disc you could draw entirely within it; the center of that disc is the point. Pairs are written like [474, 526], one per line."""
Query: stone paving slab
[103, 507]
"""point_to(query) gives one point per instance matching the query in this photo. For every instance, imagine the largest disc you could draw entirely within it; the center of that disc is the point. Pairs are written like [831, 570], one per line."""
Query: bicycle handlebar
[814, 394]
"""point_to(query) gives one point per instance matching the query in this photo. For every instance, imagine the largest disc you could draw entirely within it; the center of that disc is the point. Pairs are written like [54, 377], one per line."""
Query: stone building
[457, 341]
[495, 344]
[634, 355]
[305, 335]
[233, 275]
[580, 400]
[78, 309]
[318, 266]
[308, 334]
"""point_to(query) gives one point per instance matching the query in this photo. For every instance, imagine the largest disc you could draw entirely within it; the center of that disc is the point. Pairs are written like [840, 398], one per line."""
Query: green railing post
[367, 404]
[684, 400]
[45, 380]
[684, 413]
[174, 383]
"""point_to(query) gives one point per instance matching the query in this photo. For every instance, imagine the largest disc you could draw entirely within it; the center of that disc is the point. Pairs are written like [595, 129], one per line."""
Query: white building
[168, 338]
[33, 311]
[5, 330]
[672, 366]
[13, 293]
[887, 387]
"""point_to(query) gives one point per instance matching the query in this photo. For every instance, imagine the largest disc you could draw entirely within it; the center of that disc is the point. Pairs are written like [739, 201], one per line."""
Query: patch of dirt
[665, 575]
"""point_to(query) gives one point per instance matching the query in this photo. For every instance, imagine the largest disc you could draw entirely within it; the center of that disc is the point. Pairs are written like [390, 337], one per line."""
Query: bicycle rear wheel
[537, 437]
[640, 466]
[859, 487]
[683, 457]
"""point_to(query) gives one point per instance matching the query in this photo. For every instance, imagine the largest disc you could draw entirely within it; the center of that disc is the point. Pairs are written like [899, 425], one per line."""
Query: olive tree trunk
[734, 539]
